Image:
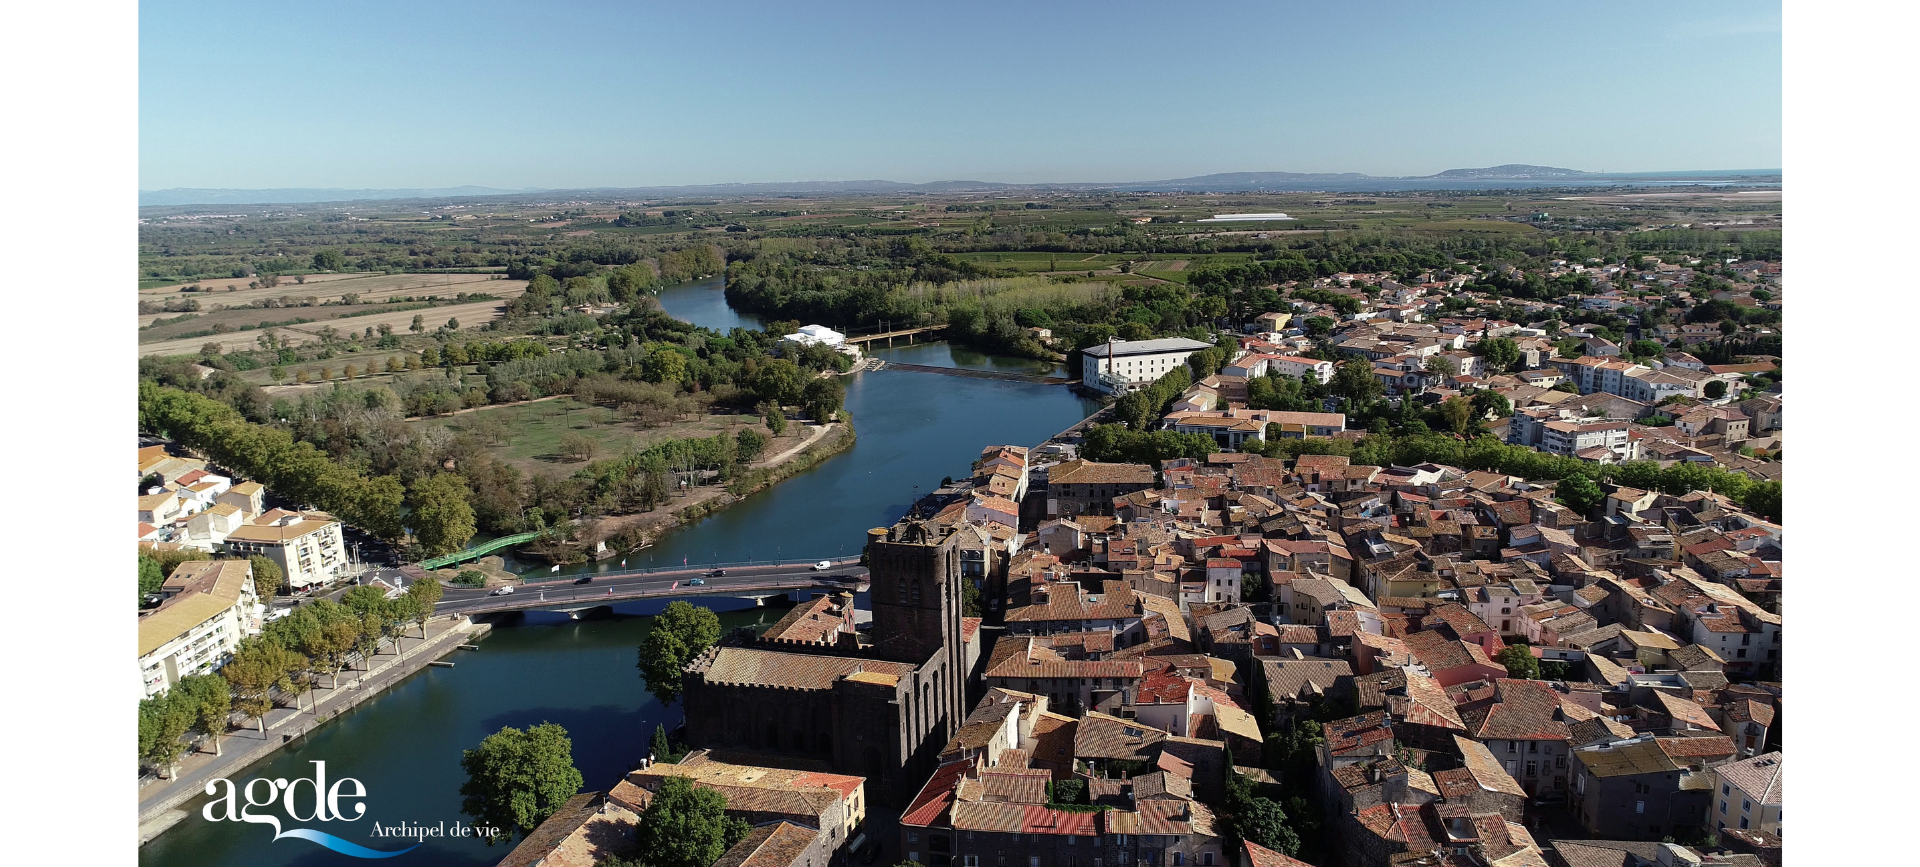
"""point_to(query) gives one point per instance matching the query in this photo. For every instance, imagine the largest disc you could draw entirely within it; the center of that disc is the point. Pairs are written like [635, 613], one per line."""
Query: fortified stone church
[881, 710]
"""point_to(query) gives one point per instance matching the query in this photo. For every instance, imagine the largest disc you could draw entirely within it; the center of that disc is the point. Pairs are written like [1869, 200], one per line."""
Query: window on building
[1639, 806]
[1746, 806]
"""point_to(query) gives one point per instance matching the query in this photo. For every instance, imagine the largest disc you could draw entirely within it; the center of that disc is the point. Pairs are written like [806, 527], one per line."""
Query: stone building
[880, 710]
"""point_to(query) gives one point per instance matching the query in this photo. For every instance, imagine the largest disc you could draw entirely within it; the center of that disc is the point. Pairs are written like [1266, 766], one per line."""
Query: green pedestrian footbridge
[478, 551]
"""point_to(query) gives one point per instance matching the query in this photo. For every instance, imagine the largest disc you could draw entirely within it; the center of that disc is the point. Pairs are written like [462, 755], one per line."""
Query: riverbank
[160, 801]
[825, 442]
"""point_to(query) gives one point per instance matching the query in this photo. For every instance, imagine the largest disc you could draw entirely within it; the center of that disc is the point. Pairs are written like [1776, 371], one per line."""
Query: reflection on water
[405, 746]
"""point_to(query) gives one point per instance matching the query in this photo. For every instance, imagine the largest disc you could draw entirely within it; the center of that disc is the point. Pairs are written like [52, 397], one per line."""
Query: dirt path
[787, 455]
[489, 406]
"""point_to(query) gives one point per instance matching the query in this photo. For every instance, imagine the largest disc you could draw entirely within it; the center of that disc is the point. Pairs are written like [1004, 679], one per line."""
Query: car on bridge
[717, 573]
[697, 582]
[504, 591]
[584, 579]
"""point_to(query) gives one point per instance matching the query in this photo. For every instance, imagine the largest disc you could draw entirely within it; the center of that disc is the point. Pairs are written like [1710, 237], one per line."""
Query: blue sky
[434, 94]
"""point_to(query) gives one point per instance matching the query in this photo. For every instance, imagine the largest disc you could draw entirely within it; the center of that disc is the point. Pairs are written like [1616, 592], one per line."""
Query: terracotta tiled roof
[1682, 710]
[1764, 776]
[777, 845]
[1438, 653]
[1522, 710]
[1022, 819]
[1100, 736]
[750, 666]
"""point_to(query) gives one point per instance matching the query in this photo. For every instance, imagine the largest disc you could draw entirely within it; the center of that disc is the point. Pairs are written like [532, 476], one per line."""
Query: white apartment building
[1294, 366]
[1593, 373]
[210, 606]
[1577, 438]
[1120, 366]
[307, 545]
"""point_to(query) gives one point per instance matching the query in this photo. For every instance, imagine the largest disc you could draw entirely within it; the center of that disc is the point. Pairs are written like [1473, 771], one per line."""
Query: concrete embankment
[160, 801]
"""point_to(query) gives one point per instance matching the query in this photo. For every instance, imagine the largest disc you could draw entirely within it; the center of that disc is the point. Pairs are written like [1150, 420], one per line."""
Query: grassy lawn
[534, 431]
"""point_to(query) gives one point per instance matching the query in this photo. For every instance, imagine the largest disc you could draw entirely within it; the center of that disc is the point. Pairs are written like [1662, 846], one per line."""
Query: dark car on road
[584, 579]
[717, 573]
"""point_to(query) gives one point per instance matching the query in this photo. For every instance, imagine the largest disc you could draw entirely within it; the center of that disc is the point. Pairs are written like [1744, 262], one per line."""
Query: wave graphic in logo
[344, 847]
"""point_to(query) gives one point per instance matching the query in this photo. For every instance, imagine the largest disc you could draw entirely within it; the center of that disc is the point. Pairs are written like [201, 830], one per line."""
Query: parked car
[823, 566]
[504, 591]
[584, 579]
[697, 582]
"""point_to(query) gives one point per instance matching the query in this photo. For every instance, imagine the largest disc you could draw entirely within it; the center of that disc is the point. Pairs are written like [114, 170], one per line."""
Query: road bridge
[759, 582]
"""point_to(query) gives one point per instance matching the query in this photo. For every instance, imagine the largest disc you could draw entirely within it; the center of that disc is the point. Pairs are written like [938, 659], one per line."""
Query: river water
[405, 745]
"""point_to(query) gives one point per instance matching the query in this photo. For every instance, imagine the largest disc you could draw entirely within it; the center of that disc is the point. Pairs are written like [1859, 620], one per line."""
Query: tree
[576, 446]
[970, 600]
[823, 398]
[1520, 662]
[442, 512]
[211, 700]
[776, 420]
[1457, 413]
[254, 671]
[780, 381]
[1354, 379]
[267, 576]
[1491, 403]
[516, 779]
[665, 365]
[1580, 494]
[751, 442]
[1716, 389]
[328, 260]
[164, 720]
[277, 373]
[1764, 498]
[1264, 823]
[1440, 365]
[1645, 348]
[686, 826]
[1500, 353]
[419, 325]
[1205, 363]
[150, 577]
[425, 593]
[453, 324]
[681, 632]
[661, 750]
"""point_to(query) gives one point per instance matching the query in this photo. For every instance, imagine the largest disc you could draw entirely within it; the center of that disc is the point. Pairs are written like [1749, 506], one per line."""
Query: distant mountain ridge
[1492, 177]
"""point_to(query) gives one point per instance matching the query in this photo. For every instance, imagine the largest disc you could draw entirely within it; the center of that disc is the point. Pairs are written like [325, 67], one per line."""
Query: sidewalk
[242, 747]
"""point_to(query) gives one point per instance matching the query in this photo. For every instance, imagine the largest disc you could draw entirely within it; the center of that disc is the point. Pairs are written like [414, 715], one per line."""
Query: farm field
[327, 287]
[244, 335]
[532, 431]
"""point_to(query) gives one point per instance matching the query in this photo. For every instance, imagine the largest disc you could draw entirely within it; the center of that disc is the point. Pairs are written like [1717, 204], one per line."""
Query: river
[405, 745]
